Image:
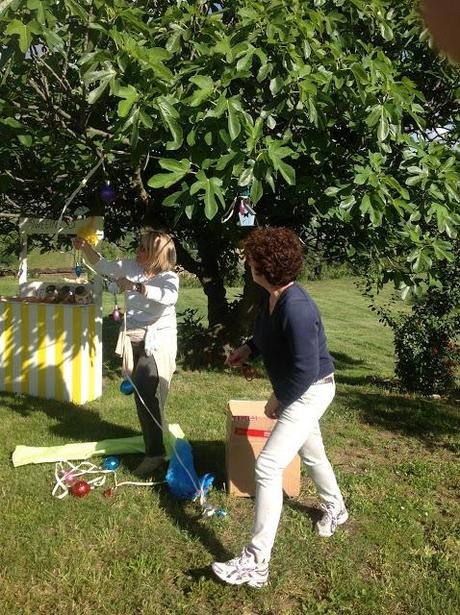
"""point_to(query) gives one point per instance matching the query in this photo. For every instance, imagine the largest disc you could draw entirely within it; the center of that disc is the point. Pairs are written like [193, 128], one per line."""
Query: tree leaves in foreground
[336, 115]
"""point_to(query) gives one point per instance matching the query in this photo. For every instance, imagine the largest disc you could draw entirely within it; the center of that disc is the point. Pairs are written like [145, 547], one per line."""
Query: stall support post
[22, 272]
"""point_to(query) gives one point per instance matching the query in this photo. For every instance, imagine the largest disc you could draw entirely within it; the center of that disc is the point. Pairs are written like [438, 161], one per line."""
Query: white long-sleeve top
[155, 310]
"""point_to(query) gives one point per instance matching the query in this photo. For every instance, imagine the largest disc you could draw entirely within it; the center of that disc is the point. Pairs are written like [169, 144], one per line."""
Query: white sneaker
[243, 569]
[331, 518]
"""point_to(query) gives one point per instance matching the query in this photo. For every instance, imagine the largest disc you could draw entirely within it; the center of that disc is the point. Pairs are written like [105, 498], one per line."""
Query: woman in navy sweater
[289, 335]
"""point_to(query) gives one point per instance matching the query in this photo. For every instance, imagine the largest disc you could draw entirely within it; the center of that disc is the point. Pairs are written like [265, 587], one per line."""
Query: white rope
[66, 474]
[81, 185]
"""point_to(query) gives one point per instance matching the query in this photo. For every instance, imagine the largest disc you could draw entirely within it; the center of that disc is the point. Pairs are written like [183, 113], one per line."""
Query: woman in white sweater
[150, 344]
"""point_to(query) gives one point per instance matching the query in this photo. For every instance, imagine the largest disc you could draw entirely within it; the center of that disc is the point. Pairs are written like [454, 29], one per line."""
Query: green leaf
[374, 116]
[276, 85]
[170, 115]
[245, 62]
[361, 178]
[205, 89]
[383, 129]
[366, 205]
[246, 177]
[76, 9]
[331, 191]
[287, 172]
[172, 199]
[386, 31]
[234, 126]
[176, 166]
[21, 30]
[130, 95]
[212, 190]
[95, 94]
[26, 140]
[224, 160]
[445, 222]
[146, 119]
[12, 122]
[443, 250]
[264, 71]
[165, 180]
[415, 179]
[347, 202]
[173, 42]
[256, 191]
[53, 41]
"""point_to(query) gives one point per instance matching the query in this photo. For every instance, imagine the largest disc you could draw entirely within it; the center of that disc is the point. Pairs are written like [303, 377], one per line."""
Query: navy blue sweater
[292, 343]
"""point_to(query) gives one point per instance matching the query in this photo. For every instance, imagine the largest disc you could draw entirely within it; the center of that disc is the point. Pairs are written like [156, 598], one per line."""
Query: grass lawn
[144, 552]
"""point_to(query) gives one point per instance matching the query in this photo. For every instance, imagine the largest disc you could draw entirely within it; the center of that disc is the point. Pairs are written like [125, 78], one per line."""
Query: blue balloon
[111, 463]
[181, 476]
[126, 387]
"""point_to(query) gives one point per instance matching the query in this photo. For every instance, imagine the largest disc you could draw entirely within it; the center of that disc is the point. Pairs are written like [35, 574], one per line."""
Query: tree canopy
[336, 115]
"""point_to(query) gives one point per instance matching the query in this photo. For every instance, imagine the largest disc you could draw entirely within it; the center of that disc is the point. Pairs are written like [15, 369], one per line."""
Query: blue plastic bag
[182, 479]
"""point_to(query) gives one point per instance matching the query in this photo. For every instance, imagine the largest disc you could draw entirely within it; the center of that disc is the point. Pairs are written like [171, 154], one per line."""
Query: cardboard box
[247, 431]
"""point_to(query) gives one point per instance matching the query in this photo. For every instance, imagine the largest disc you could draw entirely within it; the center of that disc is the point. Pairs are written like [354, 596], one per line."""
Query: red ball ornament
[80, 489]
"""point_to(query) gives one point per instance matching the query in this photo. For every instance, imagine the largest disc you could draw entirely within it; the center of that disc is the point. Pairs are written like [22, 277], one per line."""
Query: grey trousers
[145, 377]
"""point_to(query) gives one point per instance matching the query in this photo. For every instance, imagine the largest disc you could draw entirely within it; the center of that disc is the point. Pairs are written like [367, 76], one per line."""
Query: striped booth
[51, 350]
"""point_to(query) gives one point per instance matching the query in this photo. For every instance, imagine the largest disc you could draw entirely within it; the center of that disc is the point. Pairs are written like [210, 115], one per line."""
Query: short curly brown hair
[276, 253]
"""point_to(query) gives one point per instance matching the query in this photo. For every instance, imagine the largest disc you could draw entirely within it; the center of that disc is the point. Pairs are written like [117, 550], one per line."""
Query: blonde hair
[161, 252]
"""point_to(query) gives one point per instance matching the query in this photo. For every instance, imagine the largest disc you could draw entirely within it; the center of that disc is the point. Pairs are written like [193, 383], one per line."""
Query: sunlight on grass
[142, 551]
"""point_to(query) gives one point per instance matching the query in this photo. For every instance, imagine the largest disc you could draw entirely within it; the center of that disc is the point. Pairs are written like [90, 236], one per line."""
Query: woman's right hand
[239, 356]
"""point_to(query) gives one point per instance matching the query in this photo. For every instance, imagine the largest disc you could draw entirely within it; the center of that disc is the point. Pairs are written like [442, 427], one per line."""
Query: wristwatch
[139, 288]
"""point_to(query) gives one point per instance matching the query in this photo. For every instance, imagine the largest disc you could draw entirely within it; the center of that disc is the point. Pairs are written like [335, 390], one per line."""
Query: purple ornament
[107, 193]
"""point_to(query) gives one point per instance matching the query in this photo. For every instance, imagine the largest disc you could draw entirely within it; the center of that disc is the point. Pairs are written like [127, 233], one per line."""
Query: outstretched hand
[239, 356]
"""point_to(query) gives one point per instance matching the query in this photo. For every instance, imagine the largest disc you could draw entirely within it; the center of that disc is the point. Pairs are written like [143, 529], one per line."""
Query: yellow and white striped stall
[51, 351]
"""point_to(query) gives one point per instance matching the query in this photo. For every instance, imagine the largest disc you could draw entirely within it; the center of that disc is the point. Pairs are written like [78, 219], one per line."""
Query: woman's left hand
[272, 407]
[125, 284]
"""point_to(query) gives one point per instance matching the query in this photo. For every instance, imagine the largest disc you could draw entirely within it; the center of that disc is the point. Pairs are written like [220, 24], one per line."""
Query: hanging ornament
[241, 209]
[77, 263]
[126, 387]
[116, 314]
[246, 214]
[107, 193]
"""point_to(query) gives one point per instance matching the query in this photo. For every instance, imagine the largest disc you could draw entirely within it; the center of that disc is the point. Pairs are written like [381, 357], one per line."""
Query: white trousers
[296, 431]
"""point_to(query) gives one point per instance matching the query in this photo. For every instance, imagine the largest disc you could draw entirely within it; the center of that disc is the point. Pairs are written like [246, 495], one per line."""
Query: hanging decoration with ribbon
[241, 210]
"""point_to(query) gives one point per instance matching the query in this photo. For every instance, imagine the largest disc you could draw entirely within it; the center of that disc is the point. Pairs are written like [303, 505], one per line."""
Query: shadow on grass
[343, 361]
[424, 419]
[72, 422]
[313, 512]
[209, 456]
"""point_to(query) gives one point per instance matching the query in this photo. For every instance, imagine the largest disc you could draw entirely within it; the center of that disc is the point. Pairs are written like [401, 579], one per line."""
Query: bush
[427, 356]
[195, 345]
